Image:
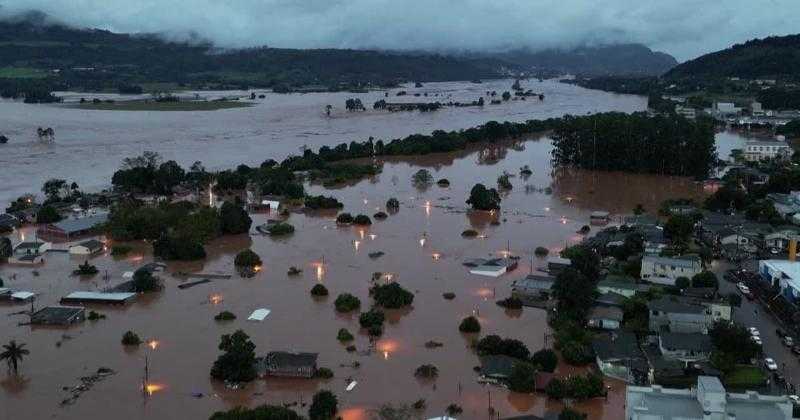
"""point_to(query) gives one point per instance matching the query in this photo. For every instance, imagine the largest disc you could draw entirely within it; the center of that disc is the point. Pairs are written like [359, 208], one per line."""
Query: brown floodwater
[423, 245]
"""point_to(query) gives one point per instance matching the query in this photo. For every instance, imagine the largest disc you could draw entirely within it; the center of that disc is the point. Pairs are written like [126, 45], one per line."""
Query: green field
[162, 106]
[21, 73]
[745, 376]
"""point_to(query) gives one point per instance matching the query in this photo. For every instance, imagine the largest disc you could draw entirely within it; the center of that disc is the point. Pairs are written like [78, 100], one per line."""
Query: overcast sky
[683, 28]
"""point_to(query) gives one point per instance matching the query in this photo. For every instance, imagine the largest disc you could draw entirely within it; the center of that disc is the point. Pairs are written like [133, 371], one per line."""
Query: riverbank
[150, 105]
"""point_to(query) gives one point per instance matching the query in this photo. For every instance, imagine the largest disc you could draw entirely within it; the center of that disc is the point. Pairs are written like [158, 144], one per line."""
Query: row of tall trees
[667, 145]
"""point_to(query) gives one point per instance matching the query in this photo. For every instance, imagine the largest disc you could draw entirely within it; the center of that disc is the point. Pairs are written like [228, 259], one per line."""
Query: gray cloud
[684, 28]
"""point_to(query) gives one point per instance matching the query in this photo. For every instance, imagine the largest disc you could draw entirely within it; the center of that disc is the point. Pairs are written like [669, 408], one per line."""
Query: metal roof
[692, 341]
[69, 226]
[121, 297]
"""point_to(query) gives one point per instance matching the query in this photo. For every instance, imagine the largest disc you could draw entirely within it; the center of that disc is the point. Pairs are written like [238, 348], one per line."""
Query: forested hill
[776, 57]
[611, 60]
[98, 59]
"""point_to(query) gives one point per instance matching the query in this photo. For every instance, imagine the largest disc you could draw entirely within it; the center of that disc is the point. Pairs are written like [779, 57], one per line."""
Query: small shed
[259, 314]
[288, 364]
[556, 265]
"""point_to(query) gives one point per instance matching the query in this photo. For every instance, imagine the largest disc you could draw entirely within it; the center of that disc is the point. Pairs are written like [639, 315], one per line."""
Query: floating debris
[87, 382]
[376, 254]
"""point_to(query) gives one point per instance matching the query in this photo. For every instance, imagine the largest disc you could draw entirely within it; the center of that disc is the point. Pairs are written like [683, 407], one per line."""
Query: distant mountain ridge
[775, 57]
[93, 59]
[609, 60]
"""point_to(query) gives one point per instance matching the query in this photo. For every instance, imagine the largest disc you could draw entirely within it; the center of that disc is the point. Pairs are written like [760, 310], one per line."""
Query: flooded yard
[422, 243]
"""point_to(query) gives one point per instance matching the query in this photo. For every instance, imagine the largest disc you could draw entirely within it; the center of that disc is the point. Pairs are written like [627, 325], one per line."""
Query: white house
[32, 248]
[665, 270]
[756, 150]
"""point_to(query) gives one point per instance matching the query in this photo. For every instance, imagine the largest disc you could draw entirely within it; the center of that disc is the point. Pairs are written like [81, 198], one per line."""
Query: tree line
[615, 141]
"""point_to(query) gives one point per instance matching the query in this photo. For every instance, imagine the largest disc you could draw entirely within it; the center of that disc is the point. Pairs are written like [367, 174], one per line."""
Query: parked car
[754, 332]
[743, 288]
[788, 341]
[796, 349]
[770, 364]
[794, 399]
[757, 340]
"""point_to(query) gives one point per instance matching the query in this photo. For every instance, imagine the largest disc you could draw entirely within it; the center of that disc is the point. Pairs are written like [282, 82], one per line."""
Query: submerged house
[59, 315]
[71, 228]
[287, 364]
[494, 267]
[556, 265]
[92, 246]
[532, 288]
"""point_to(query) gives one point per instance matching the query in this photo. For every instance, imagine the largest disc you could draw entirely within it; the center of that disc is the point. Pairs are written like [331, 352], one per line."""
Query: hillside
[775, 57]
[613, 60]
[97, 59]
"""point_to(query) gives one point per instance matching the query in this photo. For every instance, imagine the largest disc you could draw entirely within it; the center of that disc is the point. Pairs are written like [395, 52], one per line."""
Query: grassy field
[162, 106]
[21, 73]
[745, 376]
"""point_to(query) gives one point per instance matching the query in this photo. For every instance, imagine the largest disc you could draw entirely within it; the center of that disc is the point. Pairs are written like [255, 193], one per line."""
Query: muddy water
[424, 251]
[89, 145]
[423, 246]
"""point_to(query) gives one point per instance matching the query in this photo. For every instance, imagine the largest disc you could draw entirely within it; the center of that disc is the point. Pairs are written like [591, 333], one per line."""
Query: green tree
[263, 412]
[237, 362]
[130, 338]
[682, 283]
[5, 248]
[523, 377]
[481, 198]
[346, 302]
[545, 359]
[47, 214]
[145, 281]
[391, 295]
[13, 354]
[324, 406]
[732, 344]
[575, 294]
[679, 228]
[247, 259]
[705, 279]
[470, 324]
[54, 188]
[234, 219]
[168, 176]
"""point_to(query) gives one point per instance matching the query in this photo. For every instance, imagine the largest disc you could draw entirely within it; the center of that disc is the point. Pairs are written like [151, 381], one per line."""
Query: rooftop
[606, 312]
[92, 244]
[617, 345]
[666, 304]
[82, 224]
[685, 262]
[291, 359]
[56, 315]
[665, 403]
[790, 270]
[694, 342]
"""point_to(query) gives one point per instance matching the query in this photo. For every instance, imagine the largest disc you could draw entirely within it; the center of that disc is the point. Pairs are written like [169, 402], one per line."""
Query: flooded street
[423, 245]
